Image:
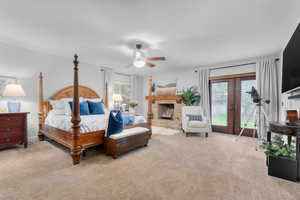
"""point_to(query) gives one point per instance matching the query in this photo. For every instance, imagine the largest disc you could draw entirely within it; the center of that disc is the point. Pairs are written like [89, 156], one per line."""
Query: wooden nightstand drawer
[11, 140]
[13, 129]
[11, 121]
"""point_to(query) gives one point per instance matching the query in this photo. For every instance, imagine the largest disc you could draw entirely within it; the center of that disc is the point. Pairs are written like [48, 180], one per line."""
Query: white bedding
[88, 123]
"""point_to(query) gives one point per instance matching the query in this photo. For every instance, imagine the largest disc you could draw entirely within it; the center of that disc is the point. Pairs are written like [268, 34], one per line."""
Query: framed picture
[4, 80]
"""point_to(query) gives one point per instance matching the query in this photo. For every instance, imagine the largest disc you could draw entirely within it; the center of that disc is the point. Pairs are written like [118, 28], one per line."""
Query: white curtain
[203, 87]
[267, 85]
[138, 92]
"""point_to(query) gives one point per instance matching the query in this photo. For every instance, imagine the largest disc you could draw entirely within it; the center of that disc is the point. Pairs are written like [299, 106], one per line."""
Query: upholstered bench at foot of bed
[127, 140]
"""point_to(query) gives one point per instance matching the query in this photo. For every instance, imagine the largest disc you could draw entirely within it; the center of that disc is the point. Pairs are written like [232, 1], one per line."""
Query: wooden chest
[115, 147]
[13, 129]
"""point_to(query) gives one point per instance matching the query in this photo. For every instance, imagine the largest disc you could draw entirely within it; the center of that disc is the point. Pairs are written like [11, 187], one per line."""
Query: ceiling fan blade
[156, 58]
[150, 64]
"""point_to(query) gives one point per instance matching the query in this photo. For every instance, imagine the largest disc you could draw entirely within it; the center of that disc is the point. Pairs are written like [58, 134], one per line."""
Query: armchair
[194, 126]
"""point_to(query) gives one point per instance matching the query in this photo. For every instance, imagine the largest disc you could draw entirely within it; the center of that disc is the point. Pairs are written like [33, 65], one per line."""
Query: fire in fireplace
[165, 111]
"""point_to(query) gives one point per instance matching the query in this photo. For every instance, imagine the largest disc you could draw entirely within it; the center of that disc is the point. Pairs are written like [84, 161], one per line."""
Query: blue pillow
[115, 124]
[83, 106]
[96, 108]
[128, 119]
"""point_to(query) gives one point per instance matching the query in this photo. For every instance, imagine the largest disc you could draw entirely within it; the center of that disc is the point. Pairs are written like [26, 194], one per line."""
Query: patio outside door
[231, 106]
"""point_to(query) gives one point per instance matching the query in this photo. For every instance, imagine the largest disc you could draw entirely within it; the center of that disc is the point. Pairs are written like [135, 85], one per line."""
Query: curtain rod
[238, 65]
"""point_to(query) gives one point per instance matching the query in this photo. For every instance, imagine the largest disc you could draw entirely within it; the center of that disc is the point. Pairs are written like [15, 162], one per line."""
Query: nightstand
[13, 129]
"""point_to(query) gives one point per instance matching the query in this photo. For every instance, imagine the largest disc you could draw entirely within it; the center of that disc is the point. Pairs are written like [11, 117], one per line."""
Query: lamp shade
[117, 98]
[13, 90]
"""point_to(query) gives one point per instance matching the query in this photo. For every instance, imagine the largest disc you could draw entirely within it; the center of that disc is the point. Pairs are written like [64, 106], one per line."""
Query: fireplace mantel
[177, 98]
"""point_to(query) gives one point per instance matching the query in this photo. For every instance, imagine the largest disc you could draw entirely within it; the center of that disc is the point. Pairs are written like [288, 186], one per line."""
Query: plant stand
[281, 167]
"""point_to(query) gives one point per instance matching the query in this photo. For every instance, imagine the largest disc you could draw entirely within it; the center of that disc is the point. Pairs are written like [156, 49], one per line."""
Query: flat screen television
[291, 64]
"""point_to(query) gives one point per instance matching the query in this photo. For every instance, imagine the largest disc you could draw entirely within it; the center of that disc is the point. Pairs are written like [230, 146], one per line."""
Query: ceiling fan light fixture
[139, 63]
[139, 58]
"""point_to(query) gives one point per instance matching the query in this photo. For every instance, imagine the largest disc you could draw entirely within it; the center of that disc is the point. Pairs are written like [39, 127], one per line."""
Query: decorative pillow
[93, 100]
[61, 106]
[83, 107]
[115, 124]
[194, 117]
[166, 91]
[57, 104]
[96, 108]
[128, 119]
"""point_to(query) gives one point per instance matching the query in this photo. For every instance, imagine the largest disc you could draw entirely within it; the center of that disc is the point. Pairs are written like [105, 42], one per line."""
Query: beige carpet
[171, 167]
[156, 130]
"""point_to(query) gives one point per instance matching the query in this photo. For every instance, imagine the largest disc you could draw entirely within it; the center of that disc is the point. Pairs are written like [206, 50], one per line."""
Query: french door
[231, 105]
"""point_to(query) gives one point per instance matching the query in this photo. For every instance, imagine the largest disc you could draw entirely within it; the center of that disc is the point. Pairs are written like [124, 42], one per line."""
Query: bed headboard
[67, 92]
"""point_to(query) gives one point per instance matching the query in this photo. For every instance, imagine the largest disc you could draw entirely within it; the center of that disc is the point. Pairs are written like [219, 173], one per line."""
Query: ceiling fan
[140, 60]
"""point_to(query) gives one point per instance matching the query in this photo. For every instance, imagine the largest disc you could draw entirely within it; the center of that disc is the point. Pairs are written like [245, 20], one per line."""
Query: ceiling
[189, 33]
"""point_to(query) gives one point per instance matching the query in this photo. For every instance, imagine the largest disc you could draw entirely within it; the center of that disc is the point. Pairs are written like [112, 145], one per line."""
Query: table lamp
[13, 90]
[117, 99]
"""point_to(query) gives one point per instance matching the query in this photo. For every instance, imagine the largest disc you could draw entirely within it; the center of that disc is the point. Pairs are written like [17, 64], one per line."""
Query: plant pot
[282, 167]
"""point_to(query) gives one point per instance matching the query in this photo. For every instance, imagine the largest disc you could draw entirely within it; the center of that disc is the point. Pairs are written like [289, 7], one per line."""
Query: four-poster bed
[73, 139]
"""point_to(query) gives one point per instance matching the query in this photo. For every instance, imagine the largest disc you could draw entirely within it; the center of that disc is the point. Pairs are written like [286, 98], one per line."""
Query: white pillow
[93, 100]
[71, 99]
[61, 106]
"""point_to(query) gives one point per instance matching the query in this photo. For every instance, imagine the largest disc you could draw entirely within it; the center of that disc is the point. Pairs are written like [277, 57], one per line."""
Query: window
[121, 85]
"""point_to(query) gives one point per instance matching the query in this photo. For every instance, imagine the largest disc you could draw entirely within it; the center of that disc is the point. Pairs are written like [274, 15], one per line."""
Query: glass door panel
[247, 105]
[219, 105]
[231, 105]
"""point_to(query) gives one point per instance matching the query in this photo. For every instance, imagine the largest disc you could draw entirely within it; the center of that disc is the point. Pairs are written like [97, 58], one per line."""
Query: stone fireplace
[167, 111]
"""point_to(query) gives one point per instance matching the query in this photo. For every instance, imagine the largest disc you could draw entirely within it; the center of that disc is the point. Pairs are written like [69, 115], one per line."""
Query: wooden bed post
[76, 148]
[150, 114]
[41, 114]
[106, 95]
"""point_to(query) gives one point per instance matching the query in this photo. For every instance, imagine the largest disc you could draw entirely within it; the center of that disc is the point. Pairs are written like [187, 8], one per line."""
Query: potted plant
[132, 105]
[281, 159]
[190, 96]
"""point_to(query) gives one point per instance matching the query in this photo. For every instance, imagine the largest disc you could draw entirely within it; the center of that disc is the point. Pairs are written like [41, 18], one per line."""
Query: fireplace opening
[165, 111]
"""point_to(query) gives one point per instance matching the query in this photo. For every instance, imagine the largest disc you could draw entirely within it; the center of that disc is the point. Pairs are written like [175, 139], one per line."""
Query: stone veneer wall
[175, 123]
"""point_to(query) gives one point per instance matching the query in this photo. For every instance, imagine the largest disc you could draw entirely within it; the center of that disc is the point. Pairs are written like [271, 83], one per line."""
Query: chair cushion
[197, 124]
[115, 124]
[129, 132]
[194, 117]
